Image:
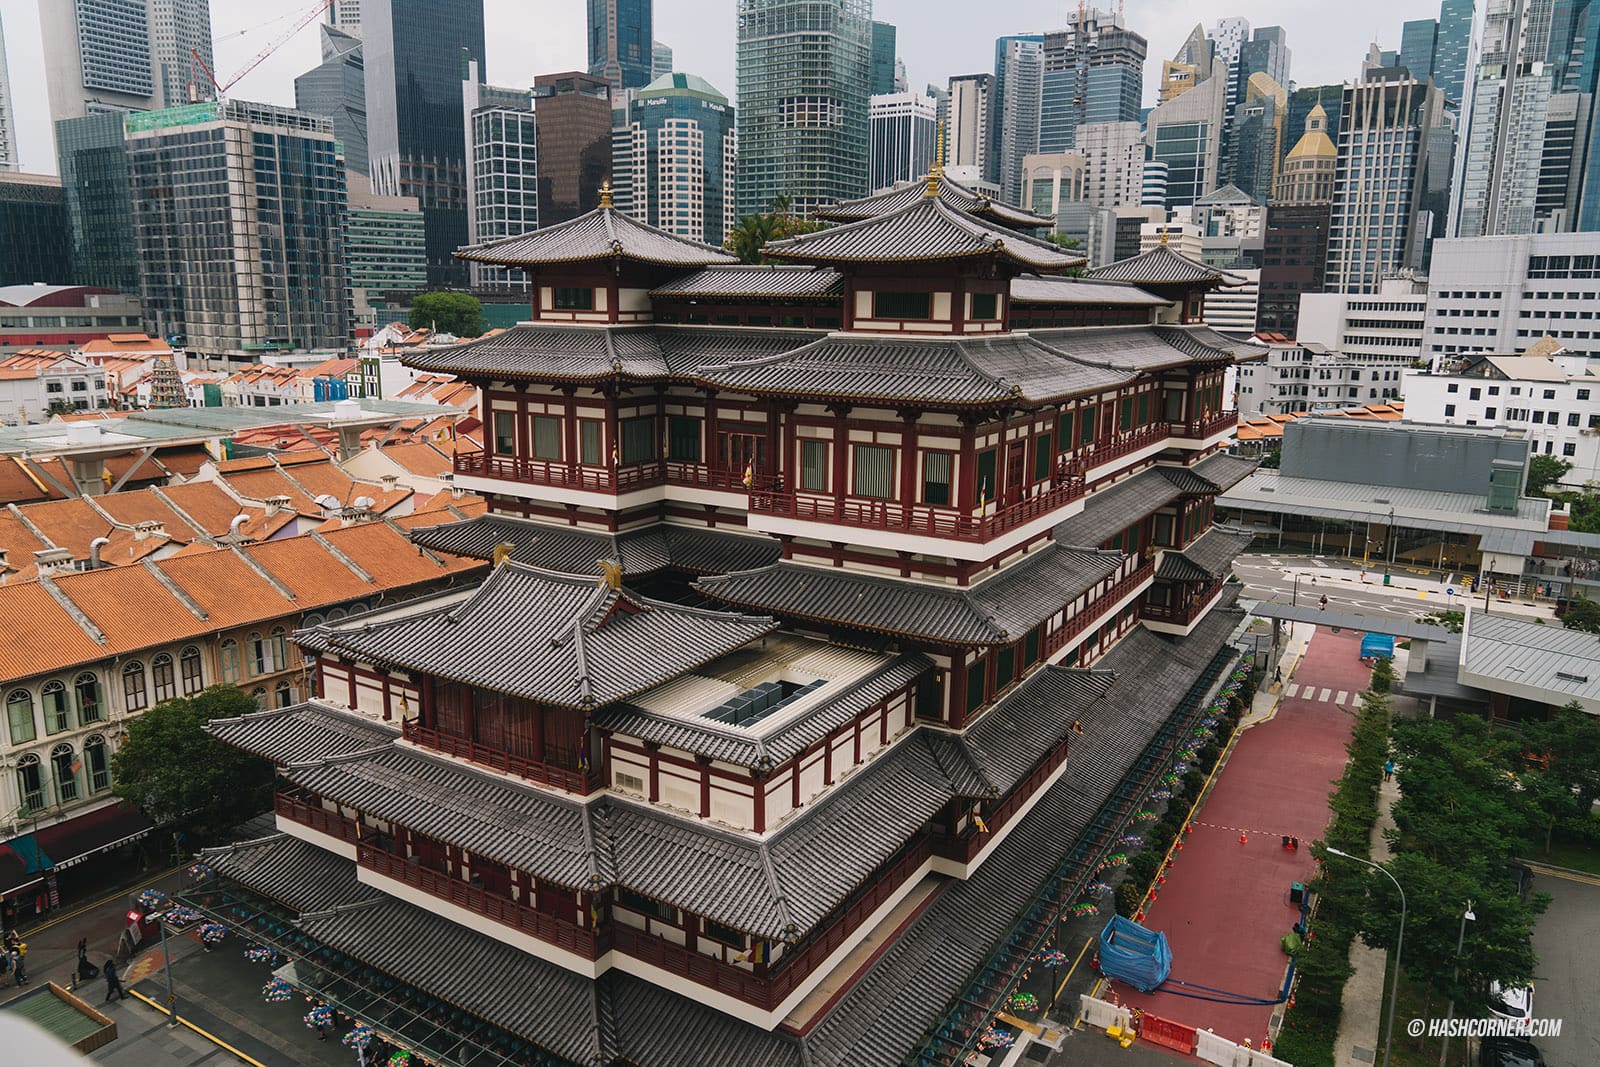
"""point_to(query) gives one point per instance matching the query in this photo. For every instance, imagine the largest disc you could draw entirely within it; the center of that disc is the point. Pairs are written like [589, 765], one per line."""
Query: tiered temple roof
[573, 550]
[1163, 266]
[1210, 556]
[950, 192]
[558, 639]
[602, 234]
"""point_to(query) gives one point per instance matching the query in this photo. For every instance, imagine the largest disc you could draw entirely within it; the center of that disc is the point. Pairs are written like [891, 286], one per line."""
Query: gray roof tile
[1163, 266]
[999, 609]
[302, 732]
[752, 281]
[951, 192]
[925, 229]
[574, 550]
[601, 234]
[298, 875]
[1109, 511]
[1210, 556]
[554, 638]
[1034, 289]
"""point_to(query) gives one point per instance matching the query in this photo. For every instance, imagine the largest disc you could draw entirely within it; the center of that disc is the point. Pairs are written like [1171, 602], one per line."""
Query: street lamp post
[1296, 601]
[166, 960]
[1399, 941]
[1450, 1012]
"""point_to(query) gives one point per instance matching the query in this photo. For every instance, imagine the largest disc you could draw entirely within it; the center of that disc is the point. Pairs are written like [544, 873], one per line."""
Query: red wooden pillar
[569, 422]
[967, 476]
[908, 460]
[841, 455]
[704, 763]
[655, 770]
[758, 803]
[388, 712]
[350, 671]
[785, 468]
[713, 446]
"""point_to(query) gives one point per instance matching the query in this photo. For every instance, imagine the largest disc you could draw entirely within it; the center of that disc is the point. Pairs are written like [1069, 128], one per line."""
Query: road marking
[1344, 695]
[1326, 693]
[1548, 871]
[1294, 687]
[215, 1040]
[1068, 976]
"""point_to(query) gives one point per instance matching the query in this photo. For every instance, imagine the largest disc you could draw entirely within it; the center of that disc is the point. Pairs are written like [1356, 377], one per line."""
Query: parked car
[1508, 1052]
[1515, 1004]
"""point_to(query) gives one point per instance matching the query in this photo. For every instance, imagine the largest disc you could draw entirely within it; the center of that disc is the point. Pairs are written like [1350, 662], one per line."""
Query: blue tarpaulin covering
[1132, 954]
[1375, 645]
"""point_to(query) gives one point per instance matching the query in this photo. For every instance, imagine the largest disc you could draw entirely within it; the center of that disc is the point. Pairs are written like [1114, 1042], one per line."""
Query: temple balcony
[574, 483]
[311, 822]
[544, 773]
[1096, 461]
[1113, 600]
[1187, 605]
[924, 528]
[1203, 433]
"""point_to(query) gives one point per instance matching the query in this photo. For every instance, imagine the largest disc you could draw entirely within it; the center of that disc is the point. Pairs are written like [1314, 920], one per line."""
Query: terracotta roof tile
[50, 640]
[208, 504]
[310, 571]
[419, 458]
[184, 459]
[143, 505]
[325, 477]
[18, 485]
[227, 589]
[69, 524]
[131, 607]
[392, 560]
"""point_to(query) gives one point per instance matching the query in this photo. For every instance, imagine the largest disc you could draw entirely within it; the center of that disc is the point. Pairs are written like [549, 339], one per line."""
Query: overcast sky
[937, 38]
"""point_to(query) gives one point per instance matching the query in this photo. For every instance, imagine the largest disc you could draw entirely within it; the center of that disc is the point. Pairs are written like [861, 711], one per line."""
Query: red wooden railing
[1201, 428]
[1093, 614]
[543, 773]
[702, 476]
[1180, 614]
[1119, 445]
[316, 817]
[916, 518]
[547, 928]
[612, 479]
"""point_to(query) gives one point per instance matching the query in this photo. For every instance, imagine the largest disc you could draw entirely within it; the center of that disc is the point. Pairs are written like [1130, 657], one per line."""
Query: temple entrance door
[741, 450]
[1016, 468]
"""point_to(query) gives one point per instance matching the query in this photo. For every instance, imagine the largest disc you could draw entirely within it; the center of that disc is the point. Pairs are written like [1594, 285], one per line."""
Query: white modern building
[1232, 308]
[971, 113]
[904, 128]
[1504, 293]
[8, 131]
[1385, 326]
[1050, 179]
[1182, 237]
[502, 172]
[1549, 395]
[1299, 377]
[1113, 154]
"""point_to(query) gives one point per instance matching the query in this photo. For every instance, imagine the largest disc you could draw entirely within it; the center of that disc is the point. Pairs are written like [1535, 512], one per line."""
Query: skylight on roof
[753, 705]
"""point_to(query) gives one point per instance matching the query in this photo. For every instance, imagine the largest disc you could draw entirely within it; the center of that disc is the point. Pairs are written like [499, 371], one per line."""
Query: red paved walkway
[1225, 904]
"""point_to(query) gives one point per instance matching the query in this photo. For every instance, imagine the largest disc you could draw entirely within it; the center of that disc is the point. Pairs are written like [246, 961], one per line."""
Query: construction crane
[221, 88]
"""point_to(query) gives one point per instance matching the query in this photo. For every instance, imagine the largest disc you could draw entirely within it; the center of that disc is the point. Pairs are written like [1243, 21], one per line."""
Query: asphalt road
[1268, 577]
[1567, 985]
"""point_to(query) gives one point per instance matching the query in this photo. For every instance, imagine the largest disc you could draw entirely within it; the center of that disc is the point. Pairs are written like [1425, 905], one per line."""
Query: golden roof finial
[605, 195]
[1163, 237]
[938, 164]
[610, 573]
[502, 552]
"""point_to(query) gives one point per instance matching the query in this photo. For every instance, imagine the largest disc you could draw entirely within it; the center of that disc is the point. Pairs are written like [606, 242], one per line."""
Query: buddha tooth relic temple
[843, 611]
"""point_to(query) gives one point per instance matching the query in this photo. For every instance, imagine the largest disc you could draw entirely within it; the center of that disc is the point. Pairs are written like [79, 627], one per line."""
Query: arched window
[336, 615]
[279, 649]
[230, 660]
[64, 765]
[260, 655]
[313, 619]
[134, 695]
[30, 784]
[94, 756]
[57, 712]
[162, 678]
[19, 716]
[259, 695]
[87, 689]
[189, 666]
[282, 696]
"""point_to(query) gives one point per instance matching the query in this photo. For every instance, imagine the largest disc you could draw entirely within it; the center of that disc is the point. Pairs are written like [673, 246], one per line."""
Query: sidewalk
[1434, 590]
[1364, 995]
[1269, 694]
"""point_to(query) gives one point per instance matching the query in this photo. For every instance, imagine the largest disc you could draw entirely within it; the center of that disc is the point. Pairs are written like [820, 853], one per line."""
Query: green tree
[180, 775]
[1543, 472]
[59, 407]
[457, 313]
[1582, 614]
[752, 233]
[1561, 766]
[1450, 620]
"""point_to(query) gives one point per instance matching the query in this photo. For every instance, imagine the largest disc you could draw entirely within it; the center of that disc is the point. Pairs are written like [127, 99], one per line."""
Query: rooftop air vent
[1567, 676]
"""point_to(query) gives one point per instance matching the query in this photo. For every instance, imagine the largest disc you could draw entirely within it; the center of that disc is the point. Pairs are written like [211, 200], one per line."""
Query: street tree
[752, 233]
[1582, 614]
[179, 775]
[1543, 472]
[457, 313]
[1560, 766]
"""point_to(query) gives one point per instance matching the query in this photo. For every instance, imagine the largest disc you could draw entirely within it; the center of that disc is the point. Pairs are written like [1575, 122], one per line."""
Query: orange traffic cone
[1243, 839]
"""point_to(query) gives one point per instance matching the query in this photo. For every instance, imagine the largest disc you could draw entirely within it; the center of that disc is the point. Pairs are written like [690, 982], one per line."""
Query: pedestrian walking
[1323, 602]
[113, 982]
[1388, 770]
[19, 965]
[1277, 674]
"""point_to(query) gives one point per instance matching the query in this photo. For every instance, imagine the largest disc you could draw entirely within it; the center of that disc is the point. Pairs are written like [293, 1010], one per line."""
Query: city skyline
[521, 46]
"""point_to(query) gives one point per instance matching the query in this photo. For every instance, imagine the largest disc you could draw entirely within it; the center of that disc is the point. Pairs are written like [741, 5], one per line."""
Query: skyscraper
[344, 15]
[34, 245]
[1257, 133]
[241, 247]
[1452, 51]
[621, 42]
[883, 57]
[336, 89]
[1018, 85]
[968, 140]
[1113, 154]
[1093, 72]
[1185, 133]
[1308, 170]
[903, 135]
[1295, 246]
[415, 52]
[1265, 52]
[1189, 67]
[1504, 138]
[92, 159]
[124, 55]
[1418, 40]
[1377, 224]
[1301, 103]
[660, 60]
[385, 249]
[804, 68]
[573, 125]
[8, 132]
[675, 161]
[502, 173]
